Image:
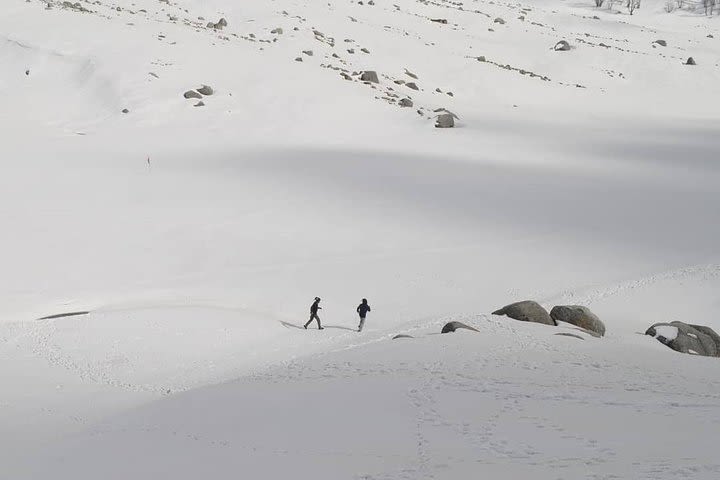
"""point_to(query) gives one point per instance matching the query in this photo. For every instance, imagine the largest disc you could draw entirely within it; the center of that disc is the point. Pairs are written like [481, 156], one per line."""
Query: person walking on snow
[362, 310]
[313, 313]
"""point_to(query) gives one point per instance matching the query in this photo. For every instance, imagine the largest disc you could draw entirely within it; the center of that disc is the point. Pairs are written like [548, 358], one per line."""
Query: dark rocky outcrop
[527, 311]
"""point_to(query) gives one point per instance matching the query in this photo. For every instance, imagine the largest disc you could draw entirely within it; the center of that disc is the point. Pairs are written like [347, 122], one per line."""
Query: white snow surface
[197, 237]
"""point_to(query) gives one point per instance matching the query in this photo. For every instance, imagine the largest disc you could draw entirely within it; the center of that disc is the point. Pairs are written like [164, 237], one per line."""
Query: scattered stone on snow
[452, 326]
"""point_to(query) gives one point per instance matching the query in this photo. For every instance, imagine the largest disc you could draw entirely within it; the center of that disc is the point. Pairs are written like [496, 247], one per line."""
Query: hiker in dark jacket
[313, 313]
[362, 310]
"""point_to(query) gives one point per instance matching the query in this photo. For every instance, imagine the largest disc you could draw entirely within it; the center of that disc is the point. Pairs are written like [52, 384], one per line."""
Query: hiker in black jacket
[313, 313]
[362, 310]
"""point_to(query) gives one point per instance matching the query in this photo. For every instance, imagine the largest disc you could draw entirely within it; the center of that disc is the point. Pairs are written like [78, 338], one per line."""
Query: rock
[369, 76]
[200, 104]
[690, 61]
[405, 102]
[206, 90]
[412, 86]
[277, 31]
[192, 94]
[439, 20]
[452, 326]
[500, 21]
[527, 311]
[298, 59]
[222, 23]
[309, 53]
[402, 335]
[410, 74]
[565, 334]
[364, 50]
[125, 110]
[562, 46]
[579, 316]
[445, 120]
[662, 43]
[482, 58]
[687, 338]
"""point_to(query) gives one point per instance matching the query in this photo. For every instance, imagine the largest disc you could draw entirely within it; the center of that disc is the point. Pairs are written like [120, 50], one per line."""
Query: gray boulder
[206, 90]
[369, 76]
[562, 46]
[192, 94]
[687, 338]
[405, 102]
[445, 120]
[690, 61]
[412, 86]
[500, 21]
[452, 326]
[662, 43]
[527, 311]
[579, 316]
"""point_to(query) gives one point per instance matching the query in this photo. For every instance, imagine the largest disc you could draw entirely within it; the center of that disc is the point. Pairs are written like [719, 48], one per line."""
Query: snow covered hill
[191, 234]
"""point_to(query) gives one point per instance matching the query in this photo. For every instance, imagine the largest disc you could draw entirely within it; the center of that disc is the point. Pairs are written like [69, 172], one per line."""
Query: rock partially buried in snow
[405, 102]
[690, 61]
[452, 326]
[499, 20]
[562, 46]
[687, 338]
[527, 311]
[402, 335]
[192, 94]
[579, 316]
[369, 76]
[566, 334]
[206, 90]
[662, 43]
[445, 120]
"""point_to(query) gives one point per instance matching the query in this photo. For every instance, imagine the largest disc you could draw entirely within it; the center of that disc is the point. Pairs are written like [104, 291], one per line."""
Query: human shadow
[341, 327]
[290, 325]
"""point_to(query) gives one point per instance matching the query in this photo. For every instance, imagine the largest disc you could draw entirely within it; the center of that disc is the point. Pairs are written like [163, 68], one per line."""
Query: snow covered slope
[197, 236]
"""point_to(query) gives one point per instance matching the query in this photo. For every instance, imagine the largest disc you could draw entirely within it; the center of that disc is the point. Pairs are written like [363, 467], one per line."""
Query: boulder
[452, 326]
[662, 43]
[527, 311]
[579, 316]
[500, 21]
[221, 23]
[206, 90]
[412, 86]
[687, 338]
[445, 120]
[277, 31]
[402, 335]
[369, 76]
[192, 94]
[405, 102]
[562, 46]
[690, 61]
